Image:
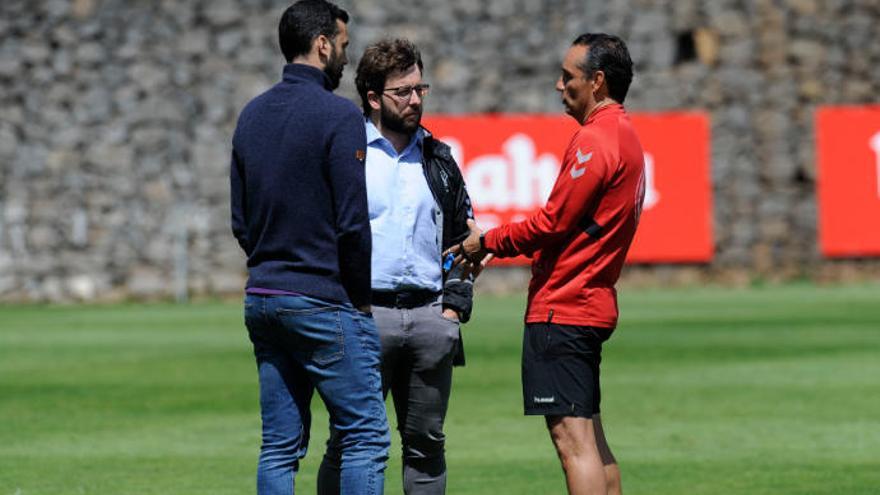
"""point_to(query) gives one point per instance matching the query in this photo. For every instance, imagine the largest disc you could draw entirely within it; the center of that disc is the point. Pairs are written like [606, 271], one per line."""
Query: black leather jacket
[447, 185]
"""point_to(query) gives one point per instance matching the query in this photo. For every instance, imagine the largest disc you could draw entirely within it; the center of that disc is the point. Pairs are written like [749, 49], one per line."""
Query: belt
[404, 299]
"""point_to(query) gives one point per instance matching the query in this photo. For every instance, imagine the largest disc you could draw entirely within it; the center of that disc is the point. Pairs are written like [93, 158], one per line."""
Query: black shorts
[560, 369]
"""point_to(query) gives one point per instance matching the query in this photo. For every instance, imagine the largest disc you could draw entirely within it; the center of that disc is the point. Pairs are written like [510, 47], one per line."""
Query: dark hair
[607, 53]
[304, 21]
[381, 60]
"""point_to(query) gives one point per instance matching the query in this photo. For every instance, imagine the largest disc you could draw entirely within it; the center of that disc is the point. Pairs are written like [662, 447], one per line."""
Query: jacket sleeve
[346, 173]
[581, 177]
[237, 195]
[458, 291]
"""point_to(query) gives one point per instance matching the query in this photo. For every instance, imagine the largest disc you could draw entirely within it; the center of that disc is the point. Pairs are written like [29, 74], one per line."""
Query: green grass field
[710, 391]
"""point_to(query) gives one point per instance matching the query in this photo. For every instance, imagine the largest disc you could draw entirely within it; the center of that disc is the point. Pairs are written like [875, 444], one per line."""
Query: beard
[400, 124]
[334, 68]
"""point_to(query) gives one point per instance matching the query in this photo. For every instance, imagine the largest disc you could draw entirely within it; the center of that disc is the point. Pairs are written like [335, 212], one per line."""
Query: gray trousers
[418, 345]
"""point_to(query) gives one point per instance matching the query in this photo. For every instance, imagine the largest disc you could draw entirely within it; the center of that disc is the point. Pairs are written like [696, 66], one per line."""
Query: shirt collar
[293, 72]
[376, 137]
[611, 109]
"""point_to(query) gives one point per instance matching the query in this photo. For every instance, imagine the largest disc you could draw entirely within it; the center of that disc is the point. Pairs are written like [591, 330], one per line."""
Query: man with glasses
[418, 207]
[299, 212]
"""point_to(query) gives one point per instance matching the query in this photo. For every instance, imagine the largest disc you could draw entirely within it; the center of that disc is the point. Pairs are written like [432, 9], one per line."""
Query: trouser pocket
[314, 332]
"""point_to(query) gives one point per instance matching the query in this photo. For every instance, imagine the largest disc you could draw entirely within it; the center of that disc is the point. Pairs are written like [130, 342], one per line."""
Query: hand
[451, 314]
[477, 270]
[469, 251]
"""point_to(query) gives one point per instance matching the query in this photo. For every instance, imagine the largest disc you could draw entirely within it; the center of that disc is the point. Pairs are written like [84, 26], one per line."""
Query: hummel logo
[545, 400]
[581, 158]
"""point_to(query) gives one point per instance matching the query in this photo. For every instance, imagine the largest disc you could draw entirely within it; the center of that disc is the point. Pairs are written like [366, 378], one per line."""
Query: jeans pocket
[315, 332]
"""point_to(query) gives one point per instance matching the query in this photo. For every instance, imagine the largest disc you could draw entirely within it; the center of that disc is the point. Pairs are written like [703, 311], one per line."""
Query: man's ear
[324, 47]
[373, 99]
[599, 81]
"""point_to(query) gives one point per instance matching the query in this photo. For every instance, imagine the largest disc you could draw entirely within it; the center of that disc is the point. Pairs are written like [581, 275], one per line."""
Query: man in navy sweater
[299, 212]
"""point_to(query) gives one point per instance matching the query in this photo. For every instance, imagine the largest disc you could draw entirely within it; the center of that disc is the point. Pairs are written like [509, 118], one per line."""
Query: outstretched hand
[470, 253]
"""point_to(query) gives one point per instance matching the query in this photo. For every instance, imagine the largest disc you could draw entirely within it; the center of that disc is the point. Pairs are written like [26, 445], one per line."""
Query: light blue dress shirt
[403, 216]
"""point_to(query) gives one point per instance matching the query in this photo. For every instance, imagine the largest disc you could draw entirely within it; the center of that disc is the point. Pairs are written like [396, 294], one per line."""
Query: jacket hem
[306, 284]
[572, 320]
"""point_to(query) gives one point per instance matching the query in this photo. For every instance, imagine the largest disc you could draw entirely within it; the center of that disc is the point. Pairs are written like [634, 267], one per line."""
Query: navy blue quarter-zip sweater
[298, 192]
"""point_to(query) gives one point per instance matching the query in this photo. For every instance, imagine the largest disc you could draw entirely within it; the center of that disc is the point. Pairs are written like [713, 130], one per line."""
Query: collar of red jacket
[609, 109]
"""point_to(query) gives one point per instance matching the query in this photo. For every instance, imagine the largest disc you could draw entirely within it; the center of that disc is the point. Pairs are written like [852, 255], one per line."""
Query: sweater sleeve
[237, 201]
[581, 177]
[346, 173]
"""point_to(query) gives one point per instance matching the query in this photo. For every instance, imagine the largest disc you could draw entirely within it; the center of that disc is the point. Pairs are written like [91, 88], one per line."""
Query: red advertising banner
[848, 154]
[510, 163]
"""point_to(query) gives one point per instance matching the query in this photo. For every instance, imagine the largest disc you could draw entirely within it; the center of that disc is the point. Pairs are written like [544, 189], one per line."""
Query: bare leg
[612, 472]
[575, 442]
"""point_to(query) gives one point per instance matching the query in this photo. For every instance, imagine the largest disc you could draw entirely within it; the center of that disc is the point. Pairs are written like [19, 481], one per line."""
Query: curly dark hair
[383, 59]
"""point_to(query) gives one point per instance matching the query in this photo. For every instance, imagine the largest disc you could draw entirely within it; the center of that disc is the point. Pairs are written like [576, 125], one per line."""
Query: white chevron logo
[581, 158]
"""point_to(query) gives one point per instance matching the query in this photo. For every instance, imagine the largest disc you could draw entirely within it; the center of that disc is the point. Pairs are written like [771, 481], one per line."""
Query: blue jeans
[301, 344]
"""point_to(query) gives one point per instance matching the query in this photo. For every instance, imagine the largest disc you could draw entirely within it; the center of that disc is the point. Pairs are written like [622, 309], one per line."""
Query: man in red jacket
[578, 242]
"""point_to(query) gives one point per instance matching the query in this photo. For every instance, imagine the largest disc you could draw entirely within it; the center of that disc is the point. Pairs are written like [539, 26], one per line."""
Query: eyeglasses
[405, 92]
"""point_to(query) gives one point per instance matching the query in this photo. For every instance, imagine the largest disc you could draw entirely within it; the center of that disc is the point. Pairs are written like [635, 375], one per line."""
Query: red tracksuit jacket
[579, 239]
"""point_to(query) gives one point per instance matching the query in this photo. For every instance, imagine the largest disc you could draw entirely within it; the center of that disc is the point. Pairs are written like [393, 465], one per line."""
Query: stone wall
[117, 115]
